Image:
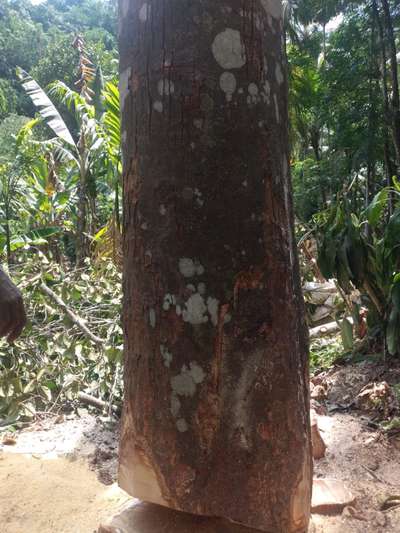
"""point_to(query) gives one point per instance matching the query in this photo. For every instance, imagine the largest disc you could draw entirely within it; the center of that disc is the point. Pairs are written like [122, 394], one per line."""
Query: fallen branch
[96, 402]
[75, 318]
[326, 329]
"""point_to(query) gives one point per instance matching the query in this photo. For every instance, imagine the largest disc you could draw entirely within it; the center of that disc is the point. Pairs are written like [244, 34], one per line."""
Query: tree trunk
[81, 241]
[216, 414]
[395, 80]
[388, 132]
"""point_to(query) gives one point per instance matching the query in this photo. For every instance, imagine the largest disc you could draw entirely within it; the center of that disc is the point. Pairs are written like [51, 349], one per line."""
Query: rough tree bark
[216, 417]
[395, 79]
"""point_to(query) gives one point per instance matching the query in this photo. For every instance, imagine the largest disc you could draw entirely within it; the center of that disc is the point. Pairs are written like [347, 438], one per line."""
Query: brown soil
[52, 496]
[58, 477]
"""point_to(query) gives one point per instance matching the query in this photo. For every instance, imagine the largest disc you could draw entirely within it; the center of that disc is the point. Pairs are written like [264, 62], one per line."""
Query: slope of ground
[59, 475]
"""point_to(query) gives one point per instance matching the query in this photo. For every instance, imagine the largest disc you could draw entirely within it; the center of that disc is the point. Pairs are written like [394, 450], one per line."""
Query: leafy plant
[54, 360]
[363, 252]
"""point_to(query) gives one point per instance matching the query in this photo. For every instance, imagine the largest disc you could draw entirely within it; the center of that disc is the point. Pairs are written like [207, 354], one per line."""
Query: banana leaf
[45, 106]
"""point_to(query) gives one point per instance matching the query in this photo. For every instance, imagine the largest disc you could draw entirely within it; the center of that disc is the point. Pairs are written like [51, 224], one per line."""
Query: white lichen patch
[163, 210]
[279, 74]
[201, 288]
[226, 10]
[228, 49]
[200, 203]
[195, 311]
[169, 301]
[285, 167]
[181, 425]
[166, 355]
[212, 307]
[277, 114]
[196, 372]
[158, 106]
[198, 123]
[245, 183]
[165, 87]
[227, 82]
[152, 318]
[266, 93]
[253, 94]
[253, 89]
[124, 79]
[273, 8]
[189, 267]
[144, 12]
[183, 384]
[175, 405]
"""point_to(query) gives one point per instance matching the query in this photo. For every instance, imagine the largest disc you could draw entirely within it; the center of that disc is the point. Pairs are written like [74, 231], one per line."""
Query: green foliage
[53, 360]
[323, 353]
[363, 253]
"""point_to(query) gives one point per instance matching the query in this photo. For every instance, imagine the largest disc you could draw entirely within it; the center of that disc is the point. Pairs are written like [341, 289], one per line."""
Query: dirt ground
[58, 478]
[59, 475]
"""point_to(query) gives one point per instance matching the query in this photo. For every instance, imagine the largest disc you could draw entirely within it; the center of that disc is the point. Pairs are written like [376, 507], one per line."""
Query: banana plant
[82, 153]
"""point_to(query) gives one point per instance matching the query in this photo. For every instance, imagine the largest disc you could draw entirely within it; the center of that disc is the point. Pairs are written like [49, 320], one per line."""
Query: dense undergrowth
[54, 360]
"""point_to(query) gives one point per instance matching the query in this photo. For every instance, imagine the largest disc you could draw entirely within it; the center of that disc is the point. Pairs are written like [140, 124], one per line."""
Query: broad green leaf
[346, 331]
[45, 106]
[392, 332]
[377, 207]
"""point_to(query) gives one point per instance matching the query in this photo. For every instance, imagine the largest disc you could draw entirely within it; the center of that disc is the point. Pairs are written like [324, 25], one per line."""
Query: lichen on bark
[216, 402]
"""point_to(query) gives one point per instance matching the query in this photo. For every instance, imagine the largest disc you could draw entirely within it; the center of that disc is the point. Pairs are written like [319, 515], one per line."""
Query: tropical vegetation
[60, 177]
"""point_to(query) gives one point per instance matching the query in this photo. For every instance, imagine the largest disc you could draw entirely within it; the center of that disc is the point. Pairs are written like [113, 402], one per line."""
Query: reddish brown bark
[216, 402]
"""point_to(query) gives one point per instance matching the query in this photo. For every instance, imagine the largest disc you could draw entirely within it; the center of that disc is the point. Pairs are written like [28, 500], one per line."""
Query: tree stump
[216, 413]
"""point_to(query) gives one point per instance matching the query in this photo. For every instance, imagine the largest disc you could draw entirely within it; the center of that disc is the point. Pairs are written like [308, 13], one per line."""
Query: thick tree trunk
[395, 80]
[216, 398]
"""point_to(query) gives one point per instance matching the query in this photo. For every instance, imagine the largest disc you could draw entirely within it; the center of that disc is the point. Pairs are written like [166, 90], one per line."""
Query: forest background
[60, 193]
